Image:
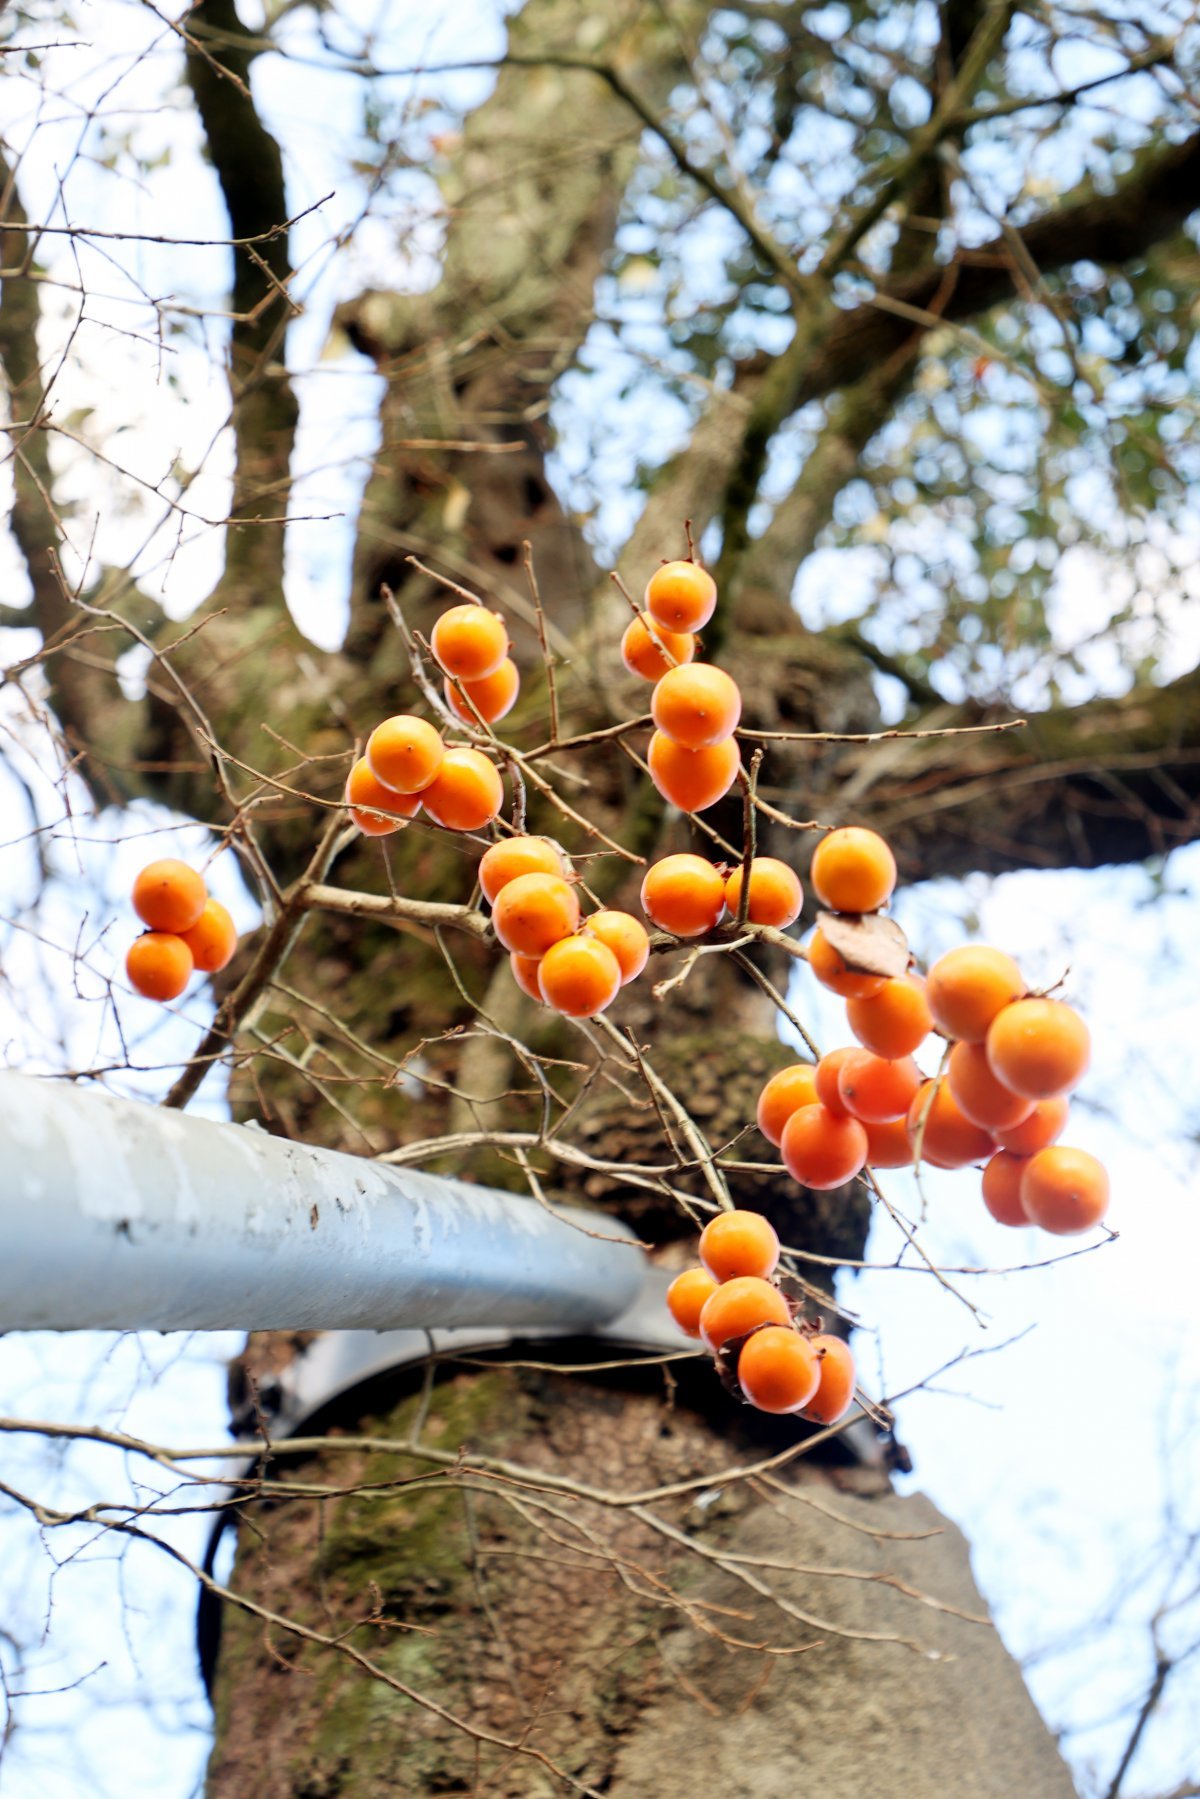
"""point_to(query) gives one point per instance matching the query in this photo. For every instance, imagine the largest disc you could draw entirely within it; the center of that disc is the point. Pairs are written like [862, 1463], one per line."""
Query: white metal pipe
[122, 1216]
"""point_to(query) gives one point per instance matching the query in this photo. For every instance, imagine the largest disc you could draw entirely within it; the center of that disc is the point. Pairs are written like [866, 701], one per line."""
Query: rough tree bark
[552, 1646]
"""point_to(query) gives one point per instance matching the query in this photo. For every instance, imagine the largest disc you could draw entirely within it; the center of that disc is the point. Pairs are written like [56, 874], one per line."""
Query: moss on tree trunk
[582, 1632]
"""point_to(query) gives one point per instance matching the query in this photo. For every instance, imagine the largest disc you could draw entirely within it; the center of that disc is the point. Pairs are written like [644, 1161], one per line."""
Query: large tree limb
[249, 167]
[1115, 780]
[831, 349]
[246, 615]
[81, 660]
[771, 561]
[33, 522]
[1147, 207]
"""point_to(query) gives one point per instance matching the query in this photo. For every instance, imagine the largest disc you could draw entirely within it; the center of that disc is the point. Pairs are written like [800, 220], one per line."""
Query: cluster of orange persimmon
[407, 766]
[1013, 1058]
[999, 1096]
[688, 895]
[732, 1304]
[693, 758]
[187, 932]
[576, 965]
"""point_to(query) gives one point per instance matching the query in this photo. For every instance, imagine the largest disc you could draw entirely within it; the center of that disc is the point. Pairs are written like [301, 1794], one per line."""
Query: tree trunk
[591, 1635]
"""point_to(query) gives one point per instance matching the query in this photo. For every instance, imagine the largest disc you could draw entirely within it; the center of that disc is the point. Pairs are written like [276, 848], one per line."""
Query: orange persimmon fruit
[696, 705]
[1002, 1179]
[835, 1386]
[944, 1136]
[830, 968]
[683, 894]
[502, 862]
[579, 976]
[968, 986]
[875, 1090]
[168, 895]
[776, 895]
[469, 642]
[778, 1370]
[159, 965]
[888, 1144]
[626, 938]
[739, 1306]
[642, 653]
[466, 793]
[786, 1091]
[525, 974]
[405, 753]
[821, 1150]
[1064, 1190]
[828, 1079]
[686, 1297]
[368, 797]
[533, 912]
[1039, 1048]
[681, 596]
[853, 870]
[1046, 1122]
[893, 1022]
[739, 1242]
[212, 939]
[981, 1097]
[693, 780]
[493, 697]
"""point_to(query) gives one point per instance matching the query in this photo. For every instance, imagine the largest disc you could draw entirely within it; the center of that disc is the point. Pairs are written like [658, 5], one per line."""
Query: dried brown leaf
[866, 942]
